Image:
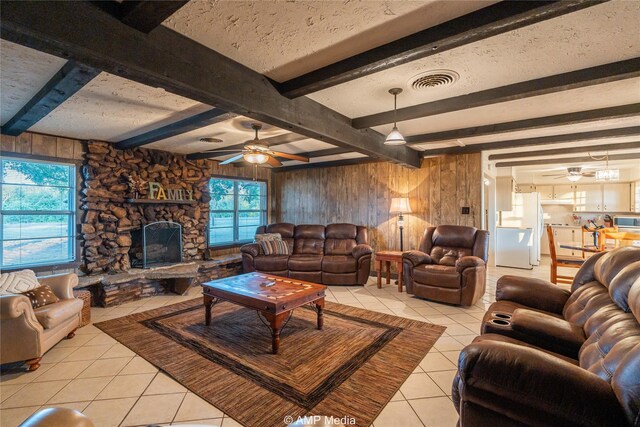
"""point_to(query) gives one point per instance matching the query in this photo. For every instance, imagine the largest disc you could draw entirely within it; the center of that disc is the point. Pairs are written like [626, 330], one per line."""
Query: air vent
[433, 79]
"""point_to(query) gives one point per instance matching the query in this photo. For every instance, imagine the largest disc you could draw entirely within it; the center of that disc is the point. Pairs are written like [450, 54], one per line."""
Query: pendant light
[395, 137]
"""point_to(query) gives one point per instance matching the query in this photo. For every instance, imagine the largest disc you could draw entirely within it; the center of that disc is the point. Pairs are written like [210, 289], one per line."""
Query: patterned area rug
[351, 368]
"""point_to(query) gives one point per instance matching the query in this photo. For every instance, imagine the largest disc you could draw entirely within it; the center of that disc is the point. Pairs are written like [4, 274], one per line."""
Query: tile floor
[95, 374]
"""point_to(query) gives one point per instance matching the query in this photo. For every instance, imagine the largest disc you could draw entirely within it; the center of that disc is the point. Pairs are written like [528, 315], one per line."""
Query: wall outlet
[466, 210]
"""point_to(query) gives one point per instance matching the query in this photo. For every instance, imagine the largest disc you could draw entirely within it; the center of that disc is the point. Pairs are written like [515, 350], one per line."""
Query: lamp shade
[400, 205]
[395, 137]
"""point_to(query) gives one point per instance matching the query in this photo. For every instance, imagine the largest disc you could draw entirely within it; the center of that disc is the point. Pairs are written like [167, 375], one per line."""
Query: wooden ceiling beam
[143, 15]
[618, 112]
[206, 118]
[600, 74]
[334, 163]
[475, 26]
[569, 150]
[166, 59]
[65, 83]
[556, 161]
[537, 141]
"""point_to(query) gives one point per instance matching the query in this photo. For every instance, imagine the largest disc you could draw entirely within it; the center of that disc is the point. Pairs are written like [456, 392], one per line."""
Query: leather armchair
[27, 334]
[450, 265]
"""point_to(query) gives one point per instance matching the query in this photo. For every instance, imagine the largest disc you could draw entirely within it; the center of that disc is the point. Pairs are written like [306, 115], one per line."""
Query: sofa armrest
[416, 258]
[252, 249]
[61, 284]
[549, 332]
[534, 293]
[13, 306]
[468, 261]
[361, 250]
[535, 388]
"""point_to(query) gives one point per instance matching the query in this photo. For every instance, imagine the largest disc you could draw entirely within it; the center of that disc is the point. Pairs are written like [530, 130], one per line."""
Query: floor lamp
[400, 206]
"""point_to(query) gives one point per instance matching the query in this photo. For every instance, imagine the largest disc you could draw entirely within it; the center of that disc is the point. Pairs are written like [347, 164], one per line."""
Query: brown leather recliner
[450, 265]
[336, 254]
[557, 357]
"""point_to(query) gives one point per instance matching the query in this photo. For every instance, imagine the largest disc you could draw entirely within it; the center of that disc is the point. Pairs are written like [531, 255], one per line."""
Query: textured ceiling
[559, 45]
[24, 71]
[283, 39]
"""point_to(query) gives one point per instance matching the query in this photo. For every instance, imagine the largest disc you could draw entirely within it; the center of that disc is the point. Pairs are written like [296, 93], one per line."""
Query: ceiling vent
[433, 79]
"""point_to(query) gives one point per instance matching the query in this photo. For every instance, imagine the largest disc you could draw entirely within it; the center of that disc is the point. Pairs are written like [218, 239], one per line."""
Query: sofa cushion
[271, 262]
[41, 296]
[305, 262]
[309, 240]
[340, 239]
[18, 282]
[339, 264]
[454, 236]
[53, 315]
[443, 276]
[447, 255]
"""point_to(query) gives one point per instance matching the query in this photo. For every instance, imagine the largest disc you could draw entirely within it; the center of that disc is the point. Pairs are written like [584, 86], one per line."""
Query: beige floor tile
[444, 379]
[102, 339]
[77, 406]
[34, 394]
[88, 330]
[160, 408]
[64, 371]
[126, 386]
[209, 422]
[80, 389]
[457, 329]
[440, 320]
[138, 366]
[118, 350]
[105, 367]
[230, 422]
[436, 362]
[463, 318]
[109, 413]
[163, 384]
[57, 354]
[15, 417]
[193, 408]
[420, 385]
[77, 341]
[397, 396]
[452, 356]
[465, 339]
[92, 352]
[8, 390]
[445, 343]
[396, 414]
[24, 376]
[435, 412]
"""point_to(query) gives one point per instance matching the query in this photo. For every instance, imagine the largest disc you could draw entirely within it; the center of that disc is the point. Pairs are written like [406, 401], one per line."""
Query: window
[237, 209]
[37, 202]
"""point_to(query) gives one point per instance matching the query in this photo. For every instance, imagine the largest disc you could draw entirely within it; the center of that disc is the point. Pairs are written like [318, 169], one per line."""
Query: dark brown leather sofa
[450, 265]
[336, 254]
[550, 356]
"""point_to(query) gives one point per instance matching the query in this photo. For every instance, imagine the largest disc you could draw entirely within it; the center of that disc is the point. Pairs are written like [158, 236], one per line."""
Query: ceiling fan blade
[555, 174]
[222, 151]
[290, 156]
[563, 176]
[232, 159]
[589, 174]
[274, 162]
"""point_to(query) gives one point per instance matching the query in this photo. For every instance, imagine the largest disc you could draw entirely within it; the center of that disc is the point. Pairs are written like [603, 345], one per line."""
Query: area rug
[349, 370]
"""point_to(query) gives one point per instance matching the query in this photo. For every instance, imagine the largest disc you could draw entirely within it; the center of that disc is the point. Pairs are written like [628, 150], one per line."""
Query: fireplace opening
[156, 244]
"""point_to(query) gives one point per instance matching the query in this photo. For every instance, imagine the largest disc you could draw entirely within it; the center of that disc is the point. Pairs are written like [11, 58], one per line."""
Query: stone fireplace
[156, 244]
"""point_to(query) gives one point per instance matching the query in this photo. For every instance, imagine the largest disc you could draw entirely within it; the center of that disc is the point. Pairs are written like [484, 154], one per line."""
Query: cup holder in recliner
[500, 322]
[499, 315]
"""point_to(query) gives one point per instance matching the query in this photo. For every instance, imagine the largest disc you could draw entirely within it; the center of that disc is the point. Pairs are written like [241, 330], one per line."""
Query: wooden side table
[388, 257]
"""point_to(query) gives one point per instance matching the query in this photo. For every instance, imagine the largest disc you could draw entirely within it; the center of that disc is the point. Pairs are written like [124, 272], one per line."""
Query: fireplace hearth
[156, 244]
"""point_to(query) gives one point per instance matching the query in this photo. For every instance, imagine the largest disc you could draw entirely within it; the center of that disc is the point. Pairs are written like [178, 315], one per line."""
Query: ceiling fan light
[574, 178]
[257, 158]
[395, 137]
[608, 175]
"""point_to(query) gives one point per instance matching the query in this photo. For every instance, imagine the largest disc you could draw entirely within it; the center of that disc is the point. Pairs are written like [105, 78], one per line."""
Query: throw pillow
[41, 296]
[18, 282]
[268, 237]
[274, 247]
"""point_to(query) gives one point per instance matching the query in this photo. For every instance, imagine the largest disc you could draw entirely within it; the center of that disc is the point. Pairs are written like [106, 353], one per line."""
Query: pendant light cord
[395, 110]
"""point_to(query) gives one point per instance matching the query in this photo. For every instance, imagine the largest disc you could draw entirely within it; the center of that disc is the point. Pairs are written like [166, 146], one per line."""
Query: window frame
[263, 220]
[73, 214]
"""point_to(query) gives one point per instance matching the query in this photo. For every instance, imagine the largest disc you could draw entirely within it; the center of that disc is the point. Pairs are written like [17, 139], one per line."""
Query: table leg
[388, 264]
[275, 320]
[208, 303]
[379, 272]
[399, 268]
[319, 306]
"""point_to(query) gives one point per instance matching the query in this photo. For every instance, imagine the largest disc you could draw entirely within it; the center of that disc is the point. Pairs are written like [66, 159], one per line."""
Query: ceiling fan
[573, 174]
[257, 152]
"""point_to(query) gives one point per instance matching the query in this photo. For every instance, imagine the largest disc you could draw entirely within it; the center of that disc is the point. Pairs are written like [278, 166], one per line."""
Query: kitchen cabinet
[616, 197]
[588, 198]
[546, 192]
[564, 192]
[504, 193]
[525, 188]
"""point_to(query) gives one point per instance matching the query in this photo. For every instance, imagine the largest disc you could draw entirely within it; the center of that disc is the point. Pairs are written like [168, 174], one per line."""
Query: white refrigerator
[520, 231]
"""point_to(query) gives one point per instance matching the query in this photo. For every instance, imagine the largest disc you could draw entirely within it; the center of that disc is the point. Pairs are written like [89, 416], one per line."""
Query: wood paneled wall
[361, 194]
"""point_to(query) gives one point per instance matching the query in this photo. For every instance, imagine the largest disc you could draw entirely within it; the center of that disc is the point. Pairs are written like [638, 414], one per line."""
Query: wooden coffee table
[272, 296]
[388, 257]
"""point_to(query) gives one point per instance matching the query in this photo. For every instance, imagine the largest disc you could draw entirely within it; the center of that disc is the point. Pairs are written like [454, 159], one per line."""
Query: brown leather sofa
[336, 254]
[550, 356]
[450, 265]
